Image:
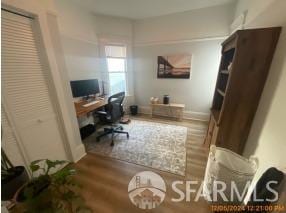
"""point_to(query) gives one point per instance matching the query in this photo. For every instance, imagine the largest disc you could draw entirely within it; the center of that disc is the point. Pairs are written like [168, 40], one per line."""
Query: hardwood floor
[105, 180]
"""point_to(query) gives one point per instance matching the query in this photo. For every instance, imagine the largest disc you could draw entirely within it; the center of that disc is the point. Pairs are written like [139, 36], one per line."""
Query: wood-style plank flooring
[105, 180]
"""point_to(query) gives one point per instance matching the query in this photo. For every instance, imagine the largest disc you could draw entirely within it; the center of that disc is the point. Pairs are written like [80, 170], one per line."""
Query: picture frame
[174, 66]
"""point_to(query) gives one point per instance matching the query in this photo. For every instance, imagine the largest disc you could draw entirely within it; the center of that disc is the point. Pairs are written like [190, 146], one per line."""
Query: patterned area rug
[156, 145]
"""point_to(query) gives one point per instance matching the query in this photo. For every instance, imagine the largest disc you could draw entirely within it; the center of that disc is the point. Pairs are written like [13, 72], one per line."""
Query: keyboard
[90, 103]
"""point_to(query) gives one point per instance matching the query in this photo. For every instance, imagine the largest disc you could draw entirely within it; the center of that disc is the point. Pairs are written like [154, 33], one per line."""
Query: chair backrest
[115, 106]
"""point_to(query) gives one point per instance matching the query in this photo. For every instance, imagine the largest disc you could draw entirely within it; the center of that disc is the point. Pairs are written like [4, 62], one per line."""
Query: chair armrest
[101, 112]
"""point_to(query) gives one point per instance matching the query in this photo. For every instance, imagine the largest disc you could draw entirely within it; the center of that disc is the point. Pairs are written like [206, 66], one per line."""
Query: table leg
[181, 115]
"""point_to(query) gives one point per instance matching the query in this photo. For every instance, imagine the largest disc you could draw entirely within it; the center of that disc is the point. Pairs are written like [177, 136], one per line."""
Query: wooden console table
[171, 108]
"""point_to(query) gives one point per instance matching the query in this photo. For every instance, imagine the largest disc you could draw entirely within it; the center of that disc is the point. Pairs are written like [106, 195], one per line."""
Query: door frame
[72, 143]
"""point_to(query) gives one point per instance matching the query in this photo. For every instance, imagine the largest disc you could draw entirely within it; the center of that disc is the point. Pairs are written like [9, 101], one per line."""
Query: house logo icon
[147, 190]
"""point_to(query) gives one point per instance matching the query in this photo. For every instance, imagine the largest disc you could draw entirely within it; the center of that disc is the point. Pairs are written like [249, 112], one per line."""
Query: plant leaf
[34, 167]
[37, 161]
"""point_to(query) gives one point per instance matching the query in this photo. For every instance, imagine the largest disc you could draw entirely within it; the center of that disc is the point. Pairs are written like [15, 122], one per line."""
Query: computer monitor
[83, 88]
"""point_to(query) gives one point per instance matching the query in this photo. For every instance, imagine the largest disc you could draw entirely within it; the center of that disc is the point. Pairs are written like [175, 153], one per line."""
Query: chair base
[112, 131]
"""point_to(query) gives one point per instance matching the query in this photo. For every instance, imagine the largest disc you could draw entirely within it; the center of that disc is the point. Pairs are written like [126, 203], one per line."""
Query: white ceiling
[138, 9]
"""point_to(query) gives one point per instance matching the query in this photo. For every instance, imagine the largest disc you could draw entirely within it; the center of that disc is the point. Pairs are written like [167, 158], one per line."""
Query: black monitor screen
[84, 87]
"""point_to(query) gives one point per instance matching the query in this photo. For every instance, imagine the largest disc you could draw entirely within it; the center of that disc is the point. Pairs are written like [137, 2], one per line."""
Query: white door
[26, 95]
[10, 143]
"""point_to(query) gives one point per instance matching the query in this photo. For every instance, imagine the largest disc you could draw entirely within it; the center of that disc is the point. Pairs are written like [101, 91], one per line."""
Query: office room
[132, 106]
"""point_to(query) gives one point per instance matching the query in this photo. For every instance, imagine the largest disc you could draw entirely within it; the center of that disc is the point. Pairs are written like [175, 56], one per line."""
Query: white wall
[82, 58]
[254, 8]
[79, 40]
[198, 32]
[201, 23]
[72, 127]
[75, 21]
[113, 26]
[267, 137]
[115, 30]
[195, 92]
[79, 45]
[82, 33]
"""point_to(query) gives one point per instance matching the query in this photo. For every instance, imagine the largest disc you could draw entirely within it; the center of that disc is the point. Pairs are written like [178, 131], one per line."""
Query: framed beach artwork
[174, 66]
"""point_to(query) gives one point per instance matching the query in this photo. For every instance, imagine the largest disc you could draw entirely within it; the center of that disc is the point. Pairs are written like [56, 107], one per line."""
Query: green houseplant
[51, 189]
[12, 177]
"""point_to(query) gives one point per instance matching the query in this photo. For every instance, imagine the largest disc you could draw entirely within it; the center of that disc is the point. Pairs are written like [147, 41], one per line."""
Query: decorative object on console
[174, 66]
[166, 99]
[154, 100]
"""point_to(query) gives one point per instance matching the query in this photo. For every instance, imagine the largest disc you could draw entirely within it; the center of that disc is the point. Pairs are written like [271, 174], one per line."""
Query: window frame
[125, 65]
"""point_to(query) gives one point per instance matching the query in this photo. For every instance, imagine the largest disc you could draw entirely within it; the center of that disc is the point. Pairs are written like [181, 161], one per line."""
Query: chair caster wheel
[127, 136]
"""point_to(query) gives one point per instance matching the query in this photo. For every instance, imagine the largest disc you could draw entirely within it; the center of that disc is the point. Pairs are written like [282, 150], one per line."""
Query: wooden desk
[83, 111]
[177, 107]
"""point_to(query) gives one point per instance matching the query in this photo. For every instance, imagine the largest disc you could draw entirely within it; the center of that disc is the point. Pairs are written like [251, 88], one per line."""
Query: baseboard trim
[79, 153]
[201, 116]
[190, 115]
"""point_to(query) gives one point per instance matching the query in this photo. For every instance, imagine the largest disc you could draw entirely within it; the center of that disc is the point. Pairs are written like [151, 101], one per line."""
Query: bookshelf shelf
[226, 72]
[220, 92]
[215, 113]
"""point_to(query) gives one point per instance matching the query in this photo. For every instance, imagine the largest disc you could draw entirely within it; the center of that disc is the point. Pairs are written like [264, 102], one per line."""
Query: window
[116, 66]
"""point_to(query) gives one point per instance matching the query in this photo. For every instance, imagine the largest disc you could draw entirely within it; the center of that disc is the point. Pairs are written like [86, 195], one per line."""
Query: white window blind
[115, 51]
[117, 68]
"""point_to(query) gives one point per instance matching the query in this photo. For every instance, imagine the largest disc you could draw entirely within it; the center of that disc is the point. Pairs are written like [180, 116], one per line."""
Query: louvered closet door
[9, 141]
[25, 89]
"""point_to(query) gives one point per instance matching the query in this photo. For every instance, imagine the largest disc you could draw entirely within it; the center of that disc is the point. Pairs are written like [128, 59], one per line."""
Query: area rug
[156, 145]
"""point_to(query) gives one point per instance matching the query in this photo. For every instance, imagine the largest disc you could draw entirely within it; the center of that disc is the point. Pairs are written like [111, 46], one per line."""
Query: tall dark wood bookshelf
[245, 62]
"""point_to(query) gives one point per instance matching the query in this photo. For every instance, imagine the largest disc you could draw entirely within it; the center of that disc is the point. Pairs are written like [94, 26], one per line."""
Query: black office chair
[113, 114]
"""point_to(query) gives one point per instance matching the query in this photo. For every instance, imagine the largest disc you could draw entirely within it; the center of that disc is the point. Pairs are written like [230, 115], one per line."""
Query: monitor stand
[89, 98]
[85, 98]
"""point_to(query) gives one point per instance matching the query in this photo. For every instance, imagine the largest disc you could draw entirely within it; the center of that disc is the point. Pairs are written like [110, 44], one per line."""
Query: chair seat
[106, 115]
[113, 115]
